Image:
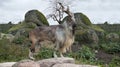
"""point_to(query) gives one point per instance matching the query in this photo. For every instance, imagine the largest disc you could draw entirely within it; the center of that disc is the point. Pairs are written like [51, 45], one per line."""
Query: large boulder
[86, 32]
[36, 17]
[112, 37]
[88, 36]
[33, 19]
[82, 19]
[10, 37]
[52, 62]
[7, 64]
[43, 63]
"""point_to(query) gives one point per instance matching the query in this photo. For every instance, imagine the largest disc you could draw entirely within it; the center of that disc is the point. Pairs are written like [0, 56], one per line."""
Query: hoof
[31, 55]
[61, 55]
[31, 58]
[55, 56]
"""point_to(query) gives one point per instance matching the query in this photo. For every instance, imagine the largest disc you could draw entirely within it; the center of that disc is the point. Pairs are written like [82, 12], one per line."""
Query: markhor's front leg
[55, 55]
[31, 55]
[56, 48]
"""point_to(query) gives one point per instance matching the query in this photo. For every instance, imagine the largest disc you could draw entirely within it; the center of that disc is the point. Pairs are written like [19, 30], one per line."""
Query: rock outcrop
[33, 19]
[114, 37]
[86, 32]
[52, 62]
[10, 37]
[36, 17]
[87, 36]
[7, 64]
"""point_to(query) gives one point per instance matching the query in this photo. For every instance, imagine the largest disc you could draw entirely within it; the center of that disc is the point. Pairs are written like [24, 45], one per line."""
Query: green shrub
[84, 53]
[19, 40]
[16, 27]
[45, 53]
[5, 27]
[111, 47]
[115, 62]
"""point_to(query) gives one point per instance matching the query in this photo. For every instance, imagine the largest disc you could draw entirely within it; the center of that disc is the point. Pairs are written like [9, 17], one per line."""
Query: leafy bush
[115, 62]
[84, 53]
[5, 27]
[17, 27]
[19, 40]
[45, 53]
[111, 47]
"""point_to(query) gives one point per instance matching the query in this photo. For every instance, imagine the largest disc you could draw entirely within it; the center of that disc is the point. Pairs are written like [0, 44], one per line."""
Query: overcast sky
[98, 11]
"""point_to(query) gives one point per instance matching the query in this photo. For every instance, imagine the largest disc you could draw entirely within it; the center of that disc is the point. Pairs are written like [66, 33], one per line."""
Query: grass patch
[12, 52]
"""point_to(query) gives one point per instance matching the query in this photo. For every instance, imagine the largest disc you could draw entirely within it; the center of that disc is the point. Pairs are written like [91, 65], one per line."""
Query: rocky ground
[52, 62]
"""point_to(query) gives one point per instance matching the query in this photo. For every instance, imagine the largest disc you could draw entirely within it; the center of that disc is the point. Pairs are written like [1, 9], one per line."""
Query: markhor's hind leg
[55, 55]
[62, 50]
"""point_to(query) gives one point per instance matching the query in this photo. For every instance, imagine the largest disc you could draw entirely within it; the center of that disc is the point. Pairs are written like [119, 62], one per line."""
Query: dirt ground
[106, 58]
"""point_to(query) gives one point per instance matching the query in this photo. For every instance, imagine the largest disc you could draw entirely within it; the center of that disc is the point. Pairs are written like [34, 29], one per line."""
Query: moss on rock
[36, 17]
[82, 19]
